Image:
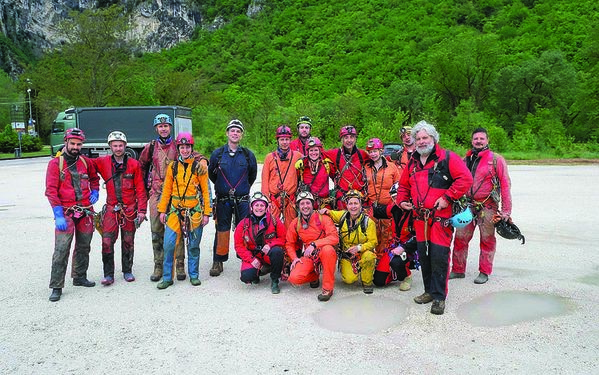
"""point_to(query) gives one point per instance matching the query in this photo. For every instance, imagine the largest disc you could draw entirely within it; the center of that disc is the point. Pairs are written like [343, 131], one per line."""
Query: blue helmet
[163, 119]
[462, 219]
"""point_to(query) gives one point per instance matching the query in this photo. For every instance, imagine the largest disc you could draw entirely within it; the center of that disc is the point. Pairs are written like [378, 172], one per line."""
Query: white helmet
[117, 136]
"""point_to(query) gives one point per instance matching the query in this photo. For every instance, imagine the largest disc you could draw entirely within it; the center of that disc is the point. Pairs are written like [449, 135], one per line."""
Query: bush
[9, 140]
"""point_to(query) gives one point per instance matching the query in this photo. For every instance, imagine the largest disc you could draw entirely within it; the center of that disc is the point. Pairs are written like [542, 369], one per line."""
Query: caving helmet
[461, 219]
[304, 195]
[509, 230]
[117, 136]
[374, 144]
[235, 124]
[75, 133]
[162, 119]
[304, 120]
[353, 193]
[259, 196]
[283, 131]
[313, 142]
[347, 130]
[185, 138]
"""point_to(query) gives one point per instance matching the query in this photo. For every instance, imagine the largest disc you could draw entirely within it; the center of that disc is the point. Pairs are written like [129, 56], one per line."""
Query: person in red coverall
[491, 187]
[259, 242]
[304, 128]
[348, 165]
[125, 208]
[313, 173]
[310, 244]
[433, 179]
[72, 187]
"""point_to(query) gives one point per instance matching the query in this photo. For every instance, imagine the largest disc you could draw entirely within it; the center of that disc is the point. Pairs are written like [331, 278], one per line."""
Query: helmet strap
[165, 141]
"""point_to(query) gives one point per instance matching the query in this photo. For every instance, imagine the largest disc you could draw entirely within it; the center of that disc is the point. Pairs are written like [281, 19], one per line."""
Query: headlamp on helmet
[304, 120]
[184, 139]
[117, 136]
[162, 119]
[259, 196]
[374, 144]
[283, 131]
[353, 194]
[304, 195]
[75, 133]
[347, 130]
[235, 124]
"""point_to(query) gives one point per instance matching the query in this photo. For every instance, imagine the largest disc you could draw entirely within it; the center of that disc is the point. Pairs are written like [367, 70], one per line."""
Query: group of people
[374, 217]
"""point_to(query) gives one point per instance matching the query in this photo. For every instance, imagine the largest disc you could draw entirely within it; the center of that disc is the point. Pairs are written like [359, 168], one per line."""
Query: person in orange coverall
[311, 241]
[279, 179]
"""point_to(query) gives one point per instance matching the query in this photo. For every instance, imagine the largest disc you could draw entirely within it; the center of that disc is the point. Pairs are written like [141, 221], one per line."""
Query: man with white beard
[433, 179]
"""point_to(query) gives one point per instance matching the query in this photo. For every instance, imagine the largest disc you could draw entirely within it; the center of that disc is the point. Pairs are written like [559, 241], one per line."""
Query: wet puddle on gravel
[512, 307]
[361, 314]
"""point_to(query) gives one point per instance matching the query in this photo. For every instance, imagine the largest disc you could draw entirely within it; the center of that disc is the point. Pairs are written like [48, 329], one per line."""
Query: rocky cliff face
[28, 25]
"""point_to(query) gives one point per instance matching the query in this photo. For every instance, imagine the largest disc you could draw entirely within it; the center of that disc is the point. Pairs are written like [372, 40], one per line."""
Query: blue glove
[93, 197]
[59, 220]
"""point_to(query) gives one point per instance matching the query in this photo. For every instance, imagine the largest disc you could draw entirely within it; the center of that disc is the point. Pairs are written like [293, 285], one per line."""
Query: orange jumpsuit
[379, 182]
[279, 184]
[321, 230]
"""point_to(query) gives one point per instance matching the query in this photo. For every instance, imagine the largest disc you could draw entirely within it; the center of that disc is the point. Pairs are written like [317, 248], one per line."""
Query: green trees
[521, 68]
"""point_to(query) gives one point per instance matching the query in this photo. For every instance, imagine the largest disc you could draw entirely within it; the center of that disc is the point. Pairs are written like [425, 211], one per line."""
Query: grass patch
[43, 152]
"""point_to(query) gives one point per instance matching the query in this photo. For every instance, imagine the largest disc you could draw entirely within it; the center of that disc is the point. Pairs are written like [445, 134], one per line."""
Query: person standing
[125, 208]
[491, 187]
[381, 175]
[402, 157]
[72, 187]
[433, 179]
[313, 173]
[233, 170]
[348, 165]
[184, 209]
[259, 242]
[279, 179]
[154, 160]
[357, 237]
[310, 245]
[304, 129]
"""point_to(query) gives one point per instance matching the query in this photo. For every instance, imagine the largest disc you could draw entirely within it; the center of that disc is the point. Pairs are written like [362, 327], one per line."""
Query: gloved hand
[93, 196]
[299, 164]
[59, 221]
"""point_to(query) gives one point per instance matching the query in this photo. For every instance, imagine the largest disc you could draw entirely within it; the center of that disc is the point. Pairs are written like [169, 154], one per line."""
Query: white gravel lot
[538, 314]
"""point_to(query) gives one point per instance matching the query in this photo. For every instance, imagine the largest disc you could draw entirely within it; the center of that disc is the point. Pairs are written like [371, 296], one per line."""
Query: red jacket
[352, 176]
[424, 184]
[246, 231]
[75, 186]
[299, 146]
[487, 167]
[130, 183]
[317, 182]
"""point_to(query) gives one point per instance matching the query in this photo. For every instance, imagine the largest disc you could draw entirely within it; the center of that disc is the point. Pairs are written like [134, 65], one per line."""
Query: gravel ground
[536, 315]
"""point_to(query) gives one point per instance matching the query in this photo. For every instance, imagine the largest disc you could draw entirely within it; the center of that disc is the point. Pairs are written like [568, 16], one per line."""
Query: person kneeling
[357, 234]
[259, 240]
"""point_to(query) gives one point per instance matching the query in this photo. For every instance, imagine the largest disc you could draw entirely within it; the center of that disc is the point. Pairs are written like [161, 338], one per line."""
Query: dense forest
[528, 70]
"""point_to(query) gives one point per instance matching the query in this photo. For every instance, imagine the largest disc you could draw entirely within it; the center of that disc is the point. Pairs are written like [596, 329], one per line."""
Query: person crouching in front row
[259, 241]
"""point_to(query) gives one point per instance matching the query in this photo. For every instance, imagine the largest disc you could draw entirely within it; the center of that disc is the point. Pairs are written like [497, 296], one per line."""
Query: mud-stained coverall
[423, 184]
[360, 266]
[125, 198]
[189, 200]
[72, 192]
[279, 184]
[321, 230]
[250, 236]
[488, 170]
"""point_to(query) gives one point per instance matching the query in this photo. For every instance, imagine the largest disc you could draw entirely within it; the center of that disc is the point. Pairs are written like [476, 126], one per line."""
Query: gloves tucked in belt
[93, 197]
[59, 221]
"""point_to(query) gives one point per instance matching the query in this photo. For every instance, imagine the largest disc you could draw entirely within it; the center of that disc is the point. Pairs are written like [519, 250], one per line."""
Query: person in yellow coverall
[357, 239]
[184, 208]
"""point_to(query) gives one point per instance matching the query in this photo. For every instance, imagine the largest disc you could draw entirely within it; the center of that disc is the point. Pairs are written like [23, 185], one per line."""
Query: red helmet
[184, 139]
[74, 133]
[313, 142]
[374, 144]
[283, 131]
[347, 130]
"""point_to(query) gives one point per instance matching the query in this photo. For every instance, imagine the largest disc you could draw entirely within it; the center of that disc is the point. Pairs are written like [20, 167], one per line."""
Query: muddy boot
[325, 295]
[217, 268]
[367, 288]
[180, 269]
[438, 307]
[274, 287]
[157, 275]
[56, 293]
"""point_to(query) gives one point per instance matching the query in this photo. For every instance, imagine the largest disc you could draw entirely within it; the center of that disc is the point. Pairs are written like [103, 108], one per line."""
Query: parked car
[391, 148]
